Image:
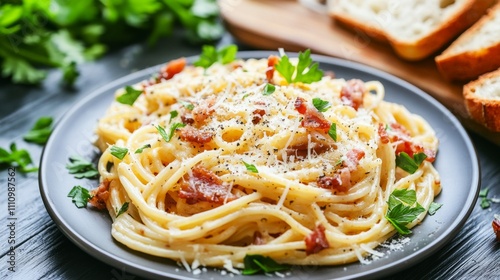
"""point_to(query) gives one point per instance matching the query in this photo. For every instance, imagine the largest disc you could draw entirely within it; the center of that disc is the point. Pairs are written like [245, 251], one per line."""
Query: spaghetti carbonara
[233, 160]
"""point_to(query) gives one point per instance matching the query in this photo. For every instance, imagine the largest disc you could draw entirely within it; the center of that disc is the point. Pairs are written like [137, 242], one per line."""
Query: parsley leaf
[40, 132]
[434, 207]
[81, 168]
[186, 104]
[119, 152]
[173, 128]
[210, 55]
[485, 201]
[268, 89]
[298, 73]
[321, 105]
[130, 96]
[123, 209]
[250, 167]
[258, 263]
[333, 131]
[400, 211]
[408, 164]
[141, 149]
[16, 158]
[173, 114]
[79, 196]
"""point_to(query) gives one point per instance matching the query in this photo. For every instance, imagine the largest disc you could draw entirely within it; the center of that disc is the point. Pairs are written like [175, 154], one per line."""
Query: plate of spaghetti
[234, 163]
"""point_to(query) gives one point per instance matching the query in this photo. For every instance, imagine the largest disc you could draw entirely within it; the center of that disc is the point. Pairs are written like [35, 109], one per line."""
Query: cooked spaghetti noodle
[248, 170]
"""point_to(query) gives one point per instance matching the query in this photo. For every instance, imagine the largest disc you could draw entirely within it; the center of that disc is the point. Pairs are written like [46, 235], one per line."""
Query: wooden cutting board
[289, 24]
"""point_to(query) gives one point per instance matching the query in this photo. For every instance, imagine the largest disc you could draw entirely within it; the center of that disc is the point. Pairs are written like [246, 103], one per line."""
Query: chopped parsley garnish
[187, 105]
[257, 263]
[119, 152]
[434, 207]
[81, 168]
[269, 89]
[123, 209]
[485, 200]
[79, 196]
[210, 55]
[141, 149]
[173, 114]
[130, 96]
[333, 131]
[40, 132]
[401, 211]
[168, 136]
[321, 105]
[250, 167]
[16, 158]
[294, 74]
[408, 164]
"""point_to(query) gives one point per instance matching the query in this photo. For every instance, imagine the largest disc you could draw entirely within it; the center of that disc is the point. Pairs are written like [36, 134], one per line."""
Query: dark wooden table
[43, 252]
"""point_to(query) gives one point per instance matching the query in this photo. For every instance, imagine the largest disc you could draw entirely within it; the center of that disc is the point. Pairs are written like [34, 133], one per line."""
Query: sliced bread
[475, 52]
[415, 29]
[482, 99]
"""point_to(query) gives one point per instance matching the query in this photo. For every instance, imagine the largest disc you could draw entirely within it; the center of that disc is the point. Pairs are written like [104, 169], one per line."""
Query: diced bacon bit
[312, 117]
[193, 135]
[316, 241]
[257, 115]
[100, 195]
[352, 93]
[496, 227]
[271, 61]
[187, 118]
[341, 181]
[172, 68]
[257, 238]
[204, 185]
[401, 136]
[202, 111]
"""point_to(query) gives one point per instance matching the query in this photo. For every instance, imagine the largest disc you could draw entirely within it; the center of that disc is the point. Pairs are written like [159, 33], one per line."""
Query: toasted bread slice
[482, 99]
[415, 29]
[475, 52]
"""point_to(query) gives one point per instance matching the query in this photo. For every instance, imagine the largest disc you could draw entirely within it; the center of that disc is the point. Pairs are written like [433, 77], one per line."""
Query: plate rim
[423, 253]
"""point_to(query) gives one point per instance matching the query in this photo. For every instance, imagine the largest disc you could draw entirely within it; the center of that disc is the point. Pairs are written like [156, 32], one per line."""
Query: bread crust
[465, 66]
[432, 42]
[483, 110]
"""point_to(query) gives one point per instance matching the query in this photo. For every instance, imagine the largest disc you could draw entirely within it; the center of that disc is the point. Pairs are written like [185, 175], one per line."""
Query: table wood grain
[43, 252]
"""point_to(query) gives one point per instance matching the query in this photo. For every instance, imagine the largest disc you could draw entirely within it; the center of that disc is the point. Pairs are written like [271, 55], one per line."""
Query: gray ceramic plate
[90, 229]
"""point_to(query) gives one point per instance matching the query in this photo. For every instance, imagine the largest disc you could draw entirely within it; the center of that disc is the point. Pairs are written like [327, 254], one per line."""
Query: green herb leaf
[173, 114]
[258, 263]
[408, 164]
[187, 105]
[123, 209]
[321, 105]
[40, 132]
[434, 207]
[269, 89]
[250, 167]
[130, 96]
[16, 158]
[333, 131]
[305, 71]
[119, 152]
[210, 55]
[141, 149]
[81, 168]
[400, 211]
[168, 136]
[79, 196]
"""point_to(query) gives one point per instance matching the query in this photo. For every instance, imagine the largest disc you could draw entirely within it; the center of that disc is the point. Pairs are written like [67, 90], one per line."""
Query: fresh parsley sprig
[80, 196]
[123, 209]
[250, 167]
[40, 132]
[168, 136]
[210, 55]
[119, 152]
[321, 105]
[18, 158]
[401, 210]
[409, 164]
[257, 263]
[81, 168]
[130, 96]
[485, 201]
[306, 71]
